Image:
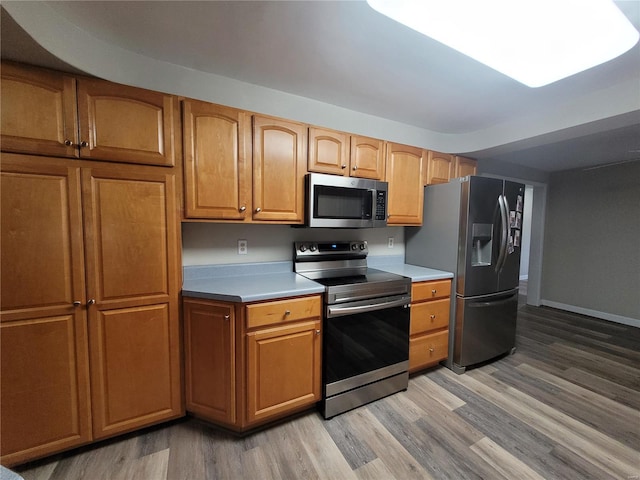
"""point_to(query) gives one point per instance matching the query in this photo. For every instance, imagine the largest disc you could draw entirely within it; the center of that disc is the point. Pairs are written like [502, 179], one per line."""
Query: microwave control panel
[381, 205]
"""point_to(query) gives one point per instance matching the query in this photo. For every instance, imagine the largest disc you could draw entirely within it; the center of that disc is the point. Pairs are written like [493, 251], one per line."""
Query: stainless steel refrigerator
[472, 226]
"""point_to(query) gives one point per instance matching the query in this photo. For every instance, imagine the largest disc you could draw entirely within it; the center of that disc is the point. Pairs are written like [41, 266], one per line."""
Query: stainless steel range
[365, 324]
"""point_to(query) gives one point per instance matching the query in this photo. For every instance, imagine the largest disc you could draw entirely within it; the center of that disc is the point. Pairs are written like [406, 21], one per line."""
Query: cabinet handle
[287, 312]
[431, 349]
[317, 332]
[343, 166]
[77, 303]
[227, 317]
[258, 210]
[434, 291]
[433, 317]
[68, 143]
[355, 167]
[242, 208]
[83, 144]
[91, 302]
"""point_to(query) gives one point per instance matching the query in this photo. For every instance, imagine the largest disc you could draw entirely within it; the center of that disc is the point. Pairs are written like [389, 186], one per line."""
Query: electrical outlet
[243, 247]
[390, 244]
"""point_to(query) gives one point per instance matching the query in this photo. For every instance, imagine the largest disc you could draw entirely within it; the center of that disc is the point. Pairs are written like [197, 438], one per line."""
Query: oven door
[364, 342]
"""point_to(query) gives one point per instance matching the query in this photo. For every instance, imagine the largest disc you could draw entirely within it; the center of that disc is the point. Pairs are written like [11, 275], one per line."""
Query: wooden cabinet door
[38, 111]
[210, 380]
[45, 379]
[328, 151]
[125, 124]
[217, 162]
[464, 166]
[279, 167]
[440, 168]
[283, 369]
[132, 280]
[406, 192]
[367, 157]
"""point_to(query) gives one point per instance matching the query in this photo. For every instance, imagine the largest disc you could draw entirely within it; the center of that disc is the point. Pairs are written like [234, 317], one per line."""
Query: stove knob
[303, 248]
[362, 246]
[354, 246]
[313, 247]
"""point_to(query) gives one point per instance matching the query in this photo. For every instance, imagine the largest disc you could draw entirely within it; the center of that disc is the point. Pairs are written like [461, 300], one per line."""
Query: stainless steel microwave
[345, 202]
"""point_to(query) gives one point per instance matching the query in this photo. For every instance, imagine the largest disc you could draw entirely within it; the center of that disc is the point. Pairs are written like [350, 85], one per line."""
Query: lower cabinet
[248, 364]
[429, 331]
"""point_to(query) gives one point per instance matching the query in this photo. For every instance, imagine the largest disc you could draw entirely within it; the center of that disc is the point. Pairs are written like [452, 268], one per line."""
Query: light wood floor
[566, 405]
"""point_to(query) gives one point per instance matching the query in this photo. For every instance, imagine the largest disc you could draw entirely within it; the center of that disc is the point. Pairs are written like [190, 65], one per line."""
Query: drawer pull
[434, 291]
[287, 312]
[431, 349]
[433, 317]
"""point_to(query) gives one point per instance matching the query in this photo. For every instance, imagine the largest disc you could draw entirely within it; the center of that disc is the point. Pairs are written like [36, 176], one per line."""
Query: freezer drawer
[485, 327]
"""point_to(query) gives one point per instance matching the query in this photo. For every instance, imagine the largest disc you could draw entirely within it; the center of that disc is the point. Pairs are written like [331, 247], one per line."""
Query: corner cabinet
[249, 364]
[210, 359]
[429, 331]
[51, 113]
[406, 192]
[464, 166]
[339, 153]
[89, 311]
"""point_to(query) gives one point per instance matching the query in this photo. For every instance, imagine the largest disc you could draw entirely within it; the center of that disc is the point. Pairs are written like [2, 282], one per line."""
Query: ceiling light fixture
[535, 42]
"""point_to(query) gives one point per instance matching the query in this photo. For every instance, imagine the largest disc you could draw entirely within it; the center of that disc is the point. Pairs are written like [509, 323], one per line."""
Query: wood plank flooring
[566, 405]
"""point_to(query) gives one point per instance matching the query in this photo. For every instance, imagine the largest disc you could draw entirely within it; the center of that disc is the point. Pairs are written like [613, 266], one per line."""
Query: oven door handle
[336, 310]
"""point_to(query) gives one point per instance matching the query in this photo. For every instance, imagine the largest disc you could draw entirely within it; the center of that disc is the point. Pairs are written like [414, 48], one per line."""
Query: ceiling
[343, 53]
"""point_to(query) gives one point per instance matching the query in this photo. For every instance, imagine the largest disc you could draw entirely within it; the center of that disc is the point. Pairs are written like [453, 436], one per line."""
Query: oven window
[339, 202]
[356, 344]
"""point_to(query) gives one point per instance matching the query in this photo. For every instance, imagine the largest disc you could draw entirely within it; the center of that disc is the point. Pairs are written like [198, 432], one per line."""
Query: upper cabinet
[235, 173]
[367, 157]
[406, 193]
[38, 111]
[328, 151]
[125, 124]
[339, 153]
[217, 161]
[279, 167]
[464, 166]
[440, 168]
[51, 113]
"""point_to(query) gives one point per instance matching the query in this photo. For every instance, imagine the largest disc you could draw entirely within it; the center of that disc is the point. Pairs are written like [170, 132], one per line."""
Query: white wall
[526, 232]
[591, 244]
[217, 243]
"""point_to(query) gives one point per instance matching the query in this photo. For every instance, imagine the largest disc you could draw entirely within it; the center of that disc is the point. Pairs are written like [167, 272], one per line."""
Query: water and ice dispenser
[482, 235]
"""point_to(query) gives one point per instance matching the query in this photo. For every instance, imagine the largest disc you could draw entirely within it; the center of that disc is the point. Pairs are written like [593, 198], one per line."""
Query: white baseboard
[634, 322]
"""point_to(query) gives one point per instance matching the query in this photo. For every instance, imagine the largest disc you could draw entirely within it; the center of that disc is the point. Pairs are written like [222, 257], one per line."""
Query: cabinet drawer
[279, 311]
[430, 290]
[428, 350]
[428, 316]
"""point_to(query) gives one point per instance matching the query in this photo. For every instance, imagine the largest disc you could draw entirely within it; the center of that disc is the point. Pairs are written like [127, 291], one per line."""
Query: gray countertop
[266, 281]
[246, 282]
[395, 264]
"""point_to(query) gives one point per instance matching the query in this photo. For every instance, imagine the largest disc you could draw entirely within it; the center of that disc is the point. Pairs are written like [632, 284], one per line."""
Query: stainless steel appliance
[472, 226]
[365, 324]
[345, 202]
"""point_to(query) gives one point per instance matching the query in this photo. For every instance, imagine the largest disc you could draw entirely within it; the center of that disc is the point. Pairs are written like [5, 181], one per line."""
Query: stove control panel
[341, 248]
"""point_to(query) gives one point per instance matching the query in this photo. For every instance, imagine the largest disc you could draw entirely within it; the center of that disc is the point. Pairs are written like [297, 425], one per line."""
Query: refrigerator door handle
[504, 224]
